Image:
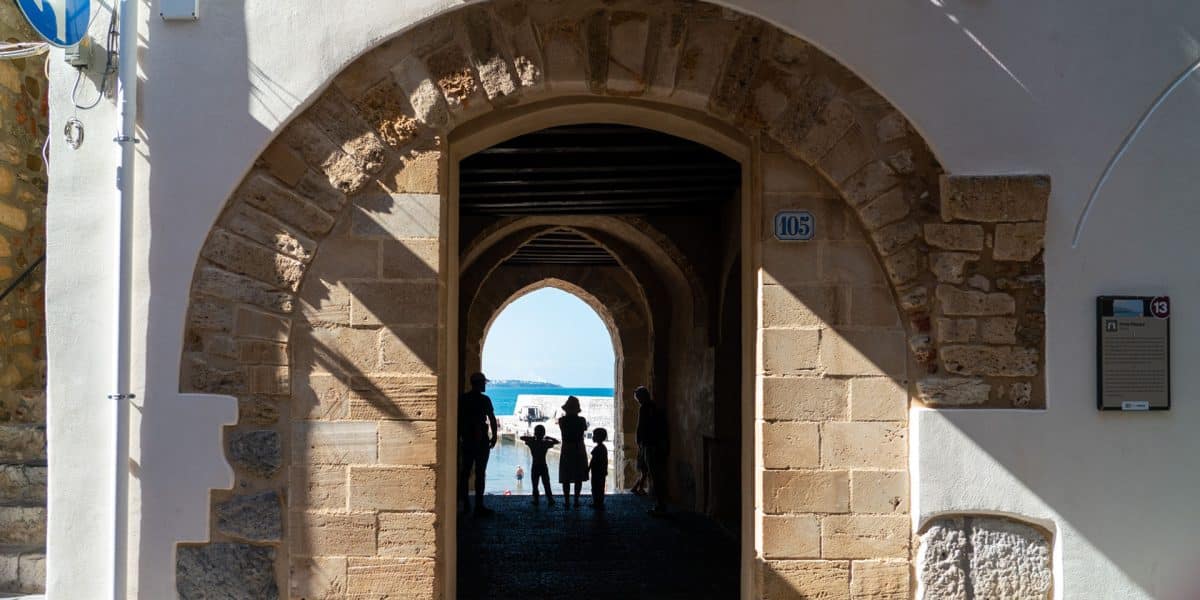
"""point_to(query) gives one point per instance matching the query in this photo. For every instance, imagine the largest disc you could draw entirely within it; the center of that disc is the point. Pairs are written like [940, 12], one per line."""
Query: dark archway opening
[649, 224]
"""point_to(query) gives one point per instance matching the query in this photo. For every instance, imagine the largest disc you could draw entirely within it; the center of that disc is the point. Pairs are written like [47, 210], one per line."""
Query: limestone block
[403, 397]
[258, 410]
[791, 536]
[887, 208]
[338, 350]
[790, 264]
[952, 391]
[807, 96]
[879, 492]
[1018, 241]
[733, 86]
[409, 349]
[203, 377]
[806, 491]
[873, 307]
[998, 331]
[864, 445]
[878, 399]
[879, 579]
[269, 380]
[334, 115]
[22, 484]
[13, 217]
[914, 299]
[324, 302]
[335, 443]
[250, 323]
[24, 525]
[406, 578]
[666, 49]
[865, 536]
[955, 301]
[20, 442]
[428, 105]
[269, 231]
[408, 534]
[869, 183]
[321, 397]
[891, 238]
[956, 331]
[792, 579]
[396, 216]
[985, 557]
[258, 452]
[875, 352]
[950, 267]
[800, 306]
[528, 63]
[980, 282]
[566, 59]
[393, 302]
[488, 55]
[392, 488]
[1021, 394]
[454, 75]
[957, 236]
[417, 172]
[317, 189]
[629, 36]
[256, 518]
[318, 486]
[995, 198]
[790, 445]
[848, 156]
[224, 346]
[790, 351]
[332, 534]
[893, 126]
[849, 263]
[237, 571]
[783, 174]
[244, 257]
[262, 352]
[1009, 560]
[341, 258]
[408, 442]
[274, 199]
[410, 259]
[386, 107]
[321, 578]
[767, 97]
[1002, 361]
[238, 288]
[905, 266]
[707, 47]
[803, 398]
[830, 125]
[341, 170]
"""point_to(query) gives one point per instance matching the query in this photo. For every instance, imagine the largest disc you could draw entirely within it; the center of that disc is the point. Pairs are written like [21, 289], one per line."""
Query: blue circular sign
[61, 22]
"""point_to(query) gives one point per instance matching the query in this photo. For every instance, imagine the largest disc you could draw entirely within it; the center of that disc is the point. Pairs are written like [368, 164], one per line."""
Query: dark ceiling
[596, 169]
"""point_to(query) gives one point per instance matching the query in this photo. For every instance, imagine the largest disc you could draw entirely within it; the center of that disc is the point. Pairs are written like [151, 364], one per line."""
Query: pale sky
[549, 335]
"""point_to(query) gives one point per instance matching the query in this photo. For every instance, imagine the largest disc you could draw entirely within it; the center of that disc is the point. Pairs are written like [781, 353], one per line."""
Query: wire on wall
[110, 67]
[15, 50]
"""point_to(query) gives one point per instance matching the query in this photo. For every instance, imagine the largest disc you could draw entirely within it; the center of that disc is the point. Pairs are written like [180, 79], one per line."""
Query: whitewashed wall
[995, 87]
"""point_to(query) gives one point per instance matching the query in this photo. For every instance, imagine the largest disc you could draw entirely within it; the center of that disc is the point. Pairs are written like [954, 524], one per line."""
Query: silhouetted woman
[573, 462]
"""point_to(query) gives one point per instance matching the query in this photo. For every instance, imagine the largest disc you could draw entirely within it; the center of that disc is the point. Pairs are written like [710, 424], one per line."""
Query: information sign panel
[1133, 352]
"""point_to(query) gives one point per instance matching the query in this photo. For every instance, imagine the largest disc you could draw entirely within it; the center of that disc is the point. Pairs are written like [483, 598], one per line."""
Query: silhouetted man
[475, 415]
[652, 443]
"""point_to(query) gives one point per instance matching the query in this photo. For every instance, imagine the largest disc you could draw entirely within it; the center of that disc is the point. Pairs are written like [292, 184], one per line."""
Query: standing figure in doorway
[475, 415]
[652, 443]
[599, 467]
[573, 462]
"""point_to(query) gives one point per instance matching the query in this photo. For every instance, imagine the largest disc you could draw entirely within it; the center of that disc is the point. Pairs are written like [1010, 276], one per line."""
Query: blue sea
[510, 453]
[504, 398]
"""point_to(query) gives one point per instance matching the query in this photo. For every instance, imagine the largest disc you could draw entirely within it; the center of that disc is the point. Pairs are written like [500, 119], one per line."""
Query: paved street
[622, 553]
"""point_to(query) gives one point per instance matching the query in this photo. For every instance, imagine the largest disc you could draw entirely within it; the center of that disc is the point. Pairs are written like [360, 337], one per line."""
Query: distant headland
[521, 383]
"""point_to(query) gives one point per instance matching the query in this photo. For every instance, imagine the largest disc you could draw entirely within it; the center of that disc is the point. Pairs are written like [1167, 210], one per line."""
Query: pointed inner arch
[549, 341]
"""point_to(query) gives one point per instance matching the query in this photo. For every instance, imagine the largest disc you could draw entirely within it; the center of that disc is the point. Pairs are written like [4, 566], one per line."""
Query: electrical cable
[17, 50]
[110, 67]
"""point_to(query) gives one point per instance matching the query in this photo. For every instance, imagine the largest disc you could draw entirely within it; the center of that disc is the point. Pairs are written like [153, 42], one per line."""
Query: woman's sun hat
[572, 404]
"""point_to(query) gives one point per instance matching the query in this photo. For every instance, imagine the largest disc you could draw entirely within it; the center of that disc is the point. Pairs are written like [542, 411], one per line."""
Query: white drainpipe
[126, 141]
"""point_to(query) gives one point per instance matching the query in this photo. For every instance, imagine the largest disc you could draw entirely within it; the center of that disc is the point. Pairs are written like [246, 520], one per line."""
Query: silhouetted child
[599, 467]
[539, 444]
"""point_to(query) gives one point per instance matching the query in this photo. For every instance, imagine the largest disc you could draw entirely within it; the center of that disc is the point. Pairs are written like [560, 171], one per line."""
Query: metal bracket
[121, 139]
[122, 396]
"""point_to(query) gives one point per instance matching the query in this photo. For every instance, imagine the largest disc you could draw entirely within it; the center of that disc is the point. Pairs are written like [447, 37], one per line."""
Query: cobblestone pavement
[622, 553]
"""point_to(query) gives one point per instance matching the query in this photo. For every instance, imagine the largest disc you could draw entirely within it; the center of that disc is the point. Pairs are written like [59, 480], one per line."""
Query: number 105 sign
[794, 225]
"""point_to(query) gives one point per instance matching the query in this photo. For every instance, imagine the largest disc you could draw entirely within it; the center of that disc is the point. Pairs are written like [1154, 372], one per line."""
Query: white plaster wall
[1018, 86]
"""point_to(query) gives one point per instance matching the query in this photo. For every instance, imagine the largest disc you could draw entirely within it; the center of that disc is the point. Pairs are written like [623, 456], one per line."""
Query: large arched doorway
[328, 297]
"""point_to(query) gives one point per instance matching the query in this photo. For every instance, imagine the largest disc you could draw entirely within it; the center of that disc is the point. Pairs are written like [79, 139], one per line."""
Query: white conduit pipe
[126, 141]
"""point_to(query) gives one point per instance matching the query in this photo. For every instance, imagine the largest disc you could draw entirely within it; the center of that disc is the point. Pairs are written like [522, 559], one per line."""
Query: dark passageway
[622, 553]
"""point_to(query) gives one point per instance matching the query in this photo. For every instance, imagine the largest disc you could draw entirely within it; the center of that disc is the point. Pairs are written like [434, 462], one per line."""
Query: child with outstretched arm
[539, 445]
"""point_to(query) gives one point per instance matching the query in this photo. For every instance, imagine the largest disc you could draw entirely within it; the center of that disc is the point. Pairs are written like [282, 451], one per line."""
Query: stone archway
[338, 231]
